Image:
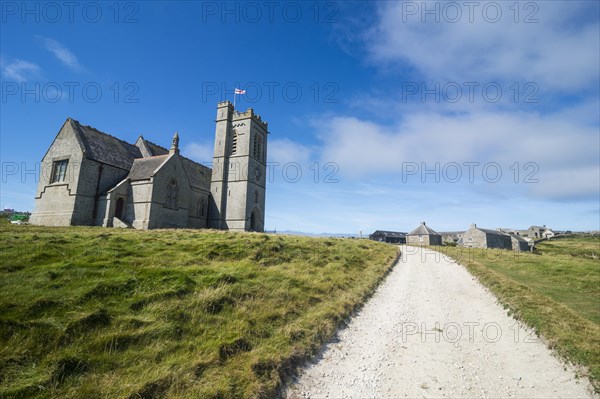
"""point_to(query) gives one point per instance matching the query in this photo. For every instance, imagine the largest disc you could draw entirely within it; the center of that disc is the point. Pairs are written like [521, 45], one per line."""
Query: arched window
[234, 140]
[172, 194]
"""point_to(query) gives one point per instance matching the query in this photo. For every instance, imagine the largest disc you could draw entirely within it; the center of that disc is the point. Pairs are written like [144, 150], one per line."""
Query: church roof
[105, 148]
[144, 168]
[423, 230]
[149, 149]
[198, 174]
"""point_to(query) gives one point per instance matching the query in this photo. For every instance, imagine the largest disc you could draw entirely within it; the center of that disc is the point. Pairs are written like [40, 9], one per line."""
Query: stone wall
[55, 202]
[424, 239]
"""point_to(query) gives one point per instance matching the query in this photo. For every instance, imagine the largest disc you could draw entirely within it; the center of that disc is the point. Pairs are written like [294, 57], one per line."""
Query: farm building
[477, 237]
[451, 236]
[392, 237]
[518, 242]
[424, 235]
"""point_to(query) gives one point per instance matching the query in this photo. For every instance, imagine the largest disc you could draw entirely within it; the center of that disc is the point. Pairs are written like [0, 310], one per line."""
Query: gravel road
[431, 330]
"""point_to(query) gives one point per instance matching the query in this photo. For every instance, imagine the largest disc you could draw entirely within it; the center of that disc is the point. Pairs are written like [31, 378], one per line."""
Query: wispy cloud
[19, 70]
[564, 150]
[199, 152]
[62, 53]
[553, 50]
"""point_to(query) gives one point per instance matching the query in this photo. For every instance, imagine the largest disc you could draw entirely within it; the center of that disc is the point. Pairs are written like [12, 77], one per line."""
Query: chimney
[473, 226]
[423, 223]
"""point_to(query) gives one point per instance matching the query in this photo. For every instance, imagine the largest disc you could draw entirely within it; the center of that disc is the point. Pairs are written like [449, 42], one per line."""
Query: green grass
[555, 290]
[108, 313]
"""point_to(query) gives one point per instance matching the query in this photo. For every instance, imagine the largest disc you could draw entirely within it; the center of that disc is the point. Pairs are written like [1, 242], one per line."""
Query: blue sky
[392, 112]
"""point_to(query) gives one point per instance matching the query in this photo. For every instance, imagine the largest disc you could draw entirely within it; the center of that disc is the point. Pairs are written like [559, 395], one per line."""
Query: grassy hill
[555, 290]
[107, 313]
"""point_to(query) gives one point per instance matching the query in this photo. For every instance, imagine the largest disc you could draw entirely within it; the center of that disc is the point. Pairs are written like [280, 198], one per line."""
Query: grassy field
[108, 313]
[555, 290]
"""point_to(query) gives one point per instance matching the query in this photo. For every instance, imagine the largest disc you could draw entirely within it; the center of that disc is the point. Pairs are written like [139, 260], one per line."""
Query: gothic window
[172, 194]
[59, 171]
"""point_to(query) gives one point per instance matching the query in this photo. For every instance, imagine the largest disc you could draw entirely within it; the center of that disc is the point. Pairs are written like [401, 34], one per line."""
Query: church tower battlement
[238, 184]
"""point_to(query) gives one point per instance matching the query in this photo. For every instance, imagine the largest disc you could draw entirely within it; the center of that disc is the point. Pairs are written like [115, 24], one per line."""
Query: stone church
[92, 178]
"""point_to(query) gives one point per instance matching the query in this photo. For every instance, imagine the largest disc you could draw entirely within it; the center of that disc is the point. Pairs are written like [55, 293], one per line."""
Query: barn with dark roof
[391, 237]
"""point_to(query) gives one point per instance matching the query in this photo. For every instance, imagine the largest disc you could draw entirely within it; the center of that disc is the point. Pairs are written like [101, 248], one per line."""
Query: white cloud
[286, 150]
[559, 52]
[62, 53]
[199, 152]
[560, 147]
[19, 70]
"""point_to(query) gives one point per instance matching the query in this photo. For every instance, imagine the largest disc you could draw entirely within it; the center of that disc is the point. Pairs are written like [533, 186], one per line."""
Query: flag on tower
[235, 93]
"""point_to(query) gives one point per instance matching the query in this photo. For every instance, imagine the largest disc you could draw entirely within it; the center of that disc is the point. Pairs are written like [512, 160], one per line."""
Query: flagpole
[234, 97]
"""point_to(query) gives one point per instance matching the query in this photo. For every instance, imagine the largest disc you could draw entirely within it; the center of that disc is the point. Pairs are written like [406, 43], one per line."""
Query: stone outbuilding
[424, 235]
[518, 242]
[391, 237]
[477, 237]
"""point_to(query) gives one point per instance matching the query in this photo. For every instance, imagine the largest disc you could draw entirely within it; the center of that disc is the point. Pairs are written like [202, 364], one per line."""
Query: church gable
[149, 149]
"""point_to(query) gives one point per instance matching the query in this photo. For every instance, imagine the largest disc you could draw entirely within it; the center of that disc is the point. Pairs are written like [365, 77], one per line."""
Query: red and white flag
[240, 91]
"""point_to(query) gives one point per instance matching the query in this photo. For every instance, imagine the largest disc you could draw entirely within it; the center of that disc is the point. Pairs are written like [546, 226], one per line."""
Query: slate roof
[389, 233]
[105, 148]
[517, 237]
[144, 168]
[492, 232]
[198, 174]
[153, 149]
[423, 230]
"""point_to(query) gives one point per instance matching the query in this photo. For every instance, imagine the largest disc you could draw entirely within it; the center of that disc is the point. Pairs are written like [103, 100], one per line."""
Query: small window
[59, 171]
[256, 197]
[172, 194]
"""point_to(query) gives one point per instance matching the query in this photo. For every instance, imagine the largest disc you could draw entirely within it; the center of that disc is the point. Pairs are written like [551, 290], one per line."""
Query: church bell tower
[238, 184]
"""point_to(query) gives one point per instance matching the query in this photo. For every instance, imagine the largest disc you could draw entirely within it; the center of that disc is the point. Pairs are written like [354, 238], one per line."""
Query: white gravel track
[431, 330]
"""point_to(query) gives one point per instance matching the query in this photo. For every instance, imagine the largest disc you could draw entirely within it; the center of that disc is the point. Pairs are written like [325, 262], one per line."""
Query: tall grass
[107, 313]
